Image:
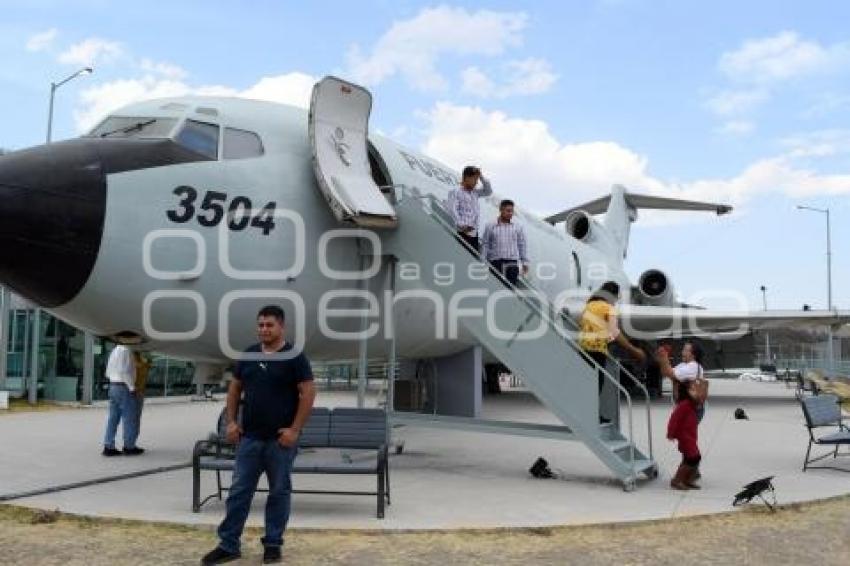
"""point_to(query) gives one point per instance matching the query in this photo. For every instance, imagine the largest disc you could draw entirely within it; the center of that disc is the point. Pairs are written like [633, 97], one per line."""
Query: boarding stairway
[524, 331]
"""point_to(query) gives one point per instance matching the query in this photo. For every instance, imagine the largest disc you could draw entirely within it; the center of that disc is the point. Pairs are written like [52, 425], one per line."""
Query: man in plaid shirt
[505, 245]
[463, 204]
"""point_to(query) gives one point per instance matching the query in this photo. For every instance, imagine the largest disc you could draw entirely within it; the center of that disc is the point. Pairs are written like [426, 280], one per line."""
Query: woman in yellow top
[598, 327]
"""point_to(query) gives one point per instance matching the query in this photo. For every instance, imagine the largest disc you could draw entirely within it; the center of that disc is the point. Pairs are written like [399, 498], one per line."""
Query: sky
[746, 103]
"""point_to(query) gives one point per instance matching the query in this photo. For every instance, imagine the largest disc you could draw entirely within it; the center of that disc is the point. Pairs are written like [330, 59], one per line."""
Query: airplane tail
[621, 209]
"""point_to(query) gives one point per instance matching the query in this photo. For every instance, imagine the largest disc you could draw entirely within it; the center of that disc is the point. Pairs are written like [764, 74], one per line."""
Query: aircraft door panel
[338, 129]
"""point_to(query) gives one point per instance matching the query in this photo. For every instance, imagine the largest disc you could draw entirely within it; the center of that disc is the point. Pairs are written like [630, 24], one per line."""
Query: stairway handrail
[633, 378]
[436, 205]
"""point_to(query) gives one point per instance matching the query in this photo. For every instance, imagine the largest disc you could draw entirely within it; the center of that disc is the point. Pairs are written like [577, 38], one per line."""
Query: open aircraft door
[338, 126]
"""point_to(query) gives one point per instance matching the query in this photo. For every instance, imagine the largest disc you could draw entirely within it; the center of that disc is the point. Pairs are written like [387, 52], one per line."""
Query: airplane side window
[241, 144]
[200, 137]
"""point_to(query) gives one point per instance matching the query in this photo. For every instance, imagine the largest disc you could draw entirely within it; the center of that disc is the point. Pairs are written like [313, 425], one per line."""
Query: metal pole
[392, 362]
[53, 87]
[88, 368]
[363, 353]
[34, 348]
[5, 309]
[829, 349]
[390, 330]
[766, 333]
[50, 113]
[830, 362]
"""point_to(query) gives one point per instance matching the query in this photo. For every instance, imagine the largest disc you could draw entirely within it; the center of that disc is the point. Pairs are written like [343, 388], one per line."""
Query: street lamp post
[825, 211]
[53, 88]
[36, 321]
[766, 333]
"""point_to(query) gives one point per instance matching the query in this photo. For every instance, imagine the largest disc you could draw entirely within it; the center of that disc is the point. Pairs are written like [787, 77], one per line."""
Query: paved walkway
[444, 479]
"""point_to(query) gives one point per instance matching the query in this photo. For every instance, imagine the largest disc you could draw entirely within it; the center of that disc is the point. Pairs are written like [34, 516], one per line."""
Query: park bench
[343, 428]
[824, 411]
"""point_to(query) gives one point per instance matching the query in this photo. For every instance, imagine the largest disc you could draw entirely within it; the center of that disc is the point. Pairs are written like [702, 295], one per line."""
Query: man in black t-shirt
[278, 394]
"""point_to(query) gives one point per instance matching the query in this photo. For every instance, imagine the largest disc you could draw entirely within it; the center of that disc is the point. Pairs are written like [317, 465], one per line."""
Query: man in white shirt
[121, 372]
[463, 204]
[505, 245]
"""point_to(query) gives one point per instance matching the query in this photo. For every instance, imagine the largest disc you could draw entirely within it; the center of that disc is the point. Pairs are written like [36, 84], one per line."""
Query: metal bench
[824, 411]
[805, 384]
[341, 428]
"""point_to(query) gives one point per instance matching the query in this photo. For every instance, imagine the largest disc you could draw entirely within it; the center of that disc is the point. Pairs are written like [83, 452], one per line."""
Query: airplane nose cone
[52, 205]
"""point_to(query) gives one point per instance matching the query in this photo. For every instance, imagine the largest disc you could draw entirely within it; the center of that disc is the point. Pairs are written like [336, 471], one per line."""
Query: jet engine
[580, 225]
[656, 289]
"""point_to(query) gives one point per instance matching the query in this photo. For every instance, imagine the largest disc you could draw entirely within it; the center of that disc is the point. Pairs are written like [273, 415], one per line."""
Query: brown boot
[679, 481]
[693, 476]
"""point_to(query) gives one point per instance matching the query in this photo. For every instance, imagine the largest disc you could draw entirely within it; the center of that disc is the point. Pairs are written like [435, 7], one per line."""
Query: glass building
[42, 357]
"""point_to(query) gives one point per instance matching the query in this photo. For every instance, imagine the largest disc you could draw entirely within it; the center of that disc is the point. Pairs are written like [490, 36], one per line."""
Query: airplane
[77, 215]
[172, 221]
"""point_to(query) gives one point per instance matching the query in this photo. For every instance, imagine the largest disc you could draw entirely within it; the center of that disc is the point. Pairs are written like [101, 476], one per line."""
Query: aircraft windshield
[134, 127]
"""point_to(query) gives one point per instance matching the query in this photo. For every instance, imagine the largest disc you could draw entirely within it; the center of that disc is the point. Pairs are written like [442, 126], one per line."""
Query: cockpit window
[134, 127]
[200, 137]
[241, 144]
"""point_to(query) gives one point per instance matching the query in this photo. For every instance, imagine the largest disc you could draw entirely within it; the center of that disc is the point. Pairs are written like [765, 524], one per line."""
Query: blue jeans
[122, 408]
[253, 457]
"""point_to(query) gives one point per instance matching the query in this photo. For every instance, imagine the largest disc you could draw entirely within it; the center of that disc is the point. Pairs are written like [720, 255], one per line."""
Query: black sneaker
[134, 451]
[107, 451]
[271, 555]
[219, 556]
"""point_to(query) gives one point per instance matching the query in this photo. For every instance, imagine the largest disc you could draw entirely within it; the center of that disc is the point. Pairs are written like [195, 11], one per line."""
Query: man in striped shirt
[463, 204]
[504, 244]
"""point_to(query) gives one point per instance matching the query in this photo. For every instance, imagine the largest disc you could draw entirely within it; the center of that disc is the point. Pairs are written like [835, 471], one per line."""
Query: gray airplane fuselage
[150, 211]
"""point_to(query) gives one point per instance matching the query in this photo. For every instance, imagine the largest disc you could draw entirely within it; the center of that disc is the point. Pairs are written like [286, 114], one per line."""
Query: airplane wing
[644, 321]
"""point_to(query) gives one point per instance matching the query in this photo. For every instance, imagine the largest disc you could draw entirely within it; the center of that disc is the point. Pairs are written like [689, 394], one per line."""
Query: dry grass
[839, 387]
[814, 533]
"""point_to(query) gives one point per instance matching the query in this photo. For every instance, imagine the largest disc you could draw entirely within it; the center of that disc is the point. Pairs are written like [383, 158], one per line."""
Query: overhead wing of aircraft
[658, 321]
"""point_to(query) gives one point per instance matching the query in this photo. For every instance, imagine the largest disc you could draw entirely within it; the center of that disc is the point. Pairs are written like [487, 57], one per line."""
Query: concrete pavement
[443, 480]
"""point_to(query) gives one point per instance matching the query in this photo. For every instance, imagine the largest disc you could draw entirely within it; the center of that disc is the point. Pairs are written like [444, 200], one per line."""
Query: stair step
[643, 464]
[617, 444]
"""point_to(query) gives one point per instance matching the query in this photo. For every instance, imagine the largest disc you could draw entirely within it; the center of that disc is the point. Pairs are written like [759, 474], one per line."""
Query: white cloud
[91, 51]
[292, 88]
[412, 47]
[820, 143]
[164, 69]
[523, 157]
[759, 66]
[520, 78]
[98, 101]
[476, 82]
[731, 102]
[530, 76]
[781, 57]
[546, 175]
[737, 128]
[42, 41]
[826, 103]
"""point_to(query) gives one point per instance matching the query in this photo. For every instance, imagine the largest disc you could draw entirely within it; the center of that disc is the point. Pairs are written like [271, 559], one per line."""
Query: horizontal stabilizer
[636, 202]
